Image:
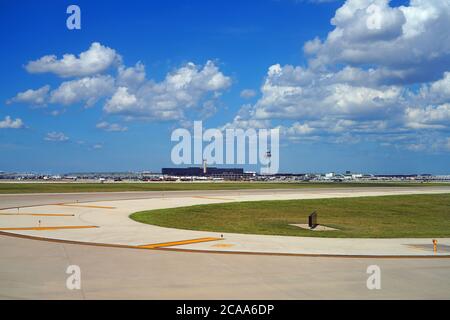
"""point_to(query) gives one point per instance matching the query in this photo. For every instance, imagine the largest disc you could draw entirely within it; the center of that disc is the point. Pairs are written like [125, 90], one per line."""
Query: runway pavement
[37, 269]
[36, 199]
[108, 222]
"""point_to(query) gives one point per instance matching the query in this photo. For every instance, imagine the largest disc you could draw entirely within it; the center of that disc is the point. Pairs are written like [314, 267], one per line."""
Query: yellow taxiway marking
[212, 198]
[417, 247]
[177, 243]
[223, 245]
[47, 228]
[83, 206]
[38, 214]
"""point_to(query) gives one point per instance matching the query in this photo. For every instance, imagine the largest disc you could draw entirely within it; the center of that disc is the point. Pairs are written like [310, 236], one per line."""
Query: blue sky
[345, 96]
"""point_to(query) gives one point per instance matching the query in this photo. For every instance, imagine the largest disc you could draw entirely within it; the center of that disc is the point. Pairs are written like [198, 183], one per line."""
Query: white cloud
[427, 143]
[56, 136]
[358, 83]
[293, 92]
[132, 76]
[338, 107]
[121, 101]
[194, 88]
[191, 76]
[96, 59]
[9, 123]
[434, 117]
[416, 147]
[87, 90]
[111, 127]
[407, 44]
[438, 91]
[30, 96]
[181, 90]
[248, 93]
[245, 119]
[300, 129]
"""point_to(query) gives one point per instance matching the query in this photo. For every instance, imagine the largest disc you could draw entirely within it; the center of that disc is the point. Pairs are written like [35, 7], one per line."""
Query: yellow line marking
[177, 243]
[223, 245]
[47, 228]
[38, 214]
[83, 206]
[417, 247]
[212, 198]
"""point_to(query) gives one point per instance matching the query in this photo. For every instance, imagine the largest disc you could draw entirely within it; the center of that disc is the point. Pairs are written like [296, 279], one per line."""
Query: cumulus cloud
[87, 90]
[245, 119]
[9, 123]
[30, 96]
[407, 44]
[121, 101]
[360, 83]
[96, 59]
[248, 93]
[132, 76]
[435, 117]
[56, 137]
[438, 91]
[287, 94]
[181, 90]
[300, 129]
[340, 107]
[428, 143]
[127, 91]
[111, 127]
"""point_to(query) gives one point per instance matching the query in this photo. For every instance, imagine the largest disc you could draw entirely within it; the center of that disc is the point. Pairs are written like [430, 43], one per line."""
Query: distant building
[226, 173]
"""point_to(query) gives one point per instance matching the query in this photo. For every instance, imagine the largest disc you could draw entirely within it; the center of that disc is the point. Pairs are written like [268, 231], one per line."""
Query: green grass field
[418, 216]
[51, 187]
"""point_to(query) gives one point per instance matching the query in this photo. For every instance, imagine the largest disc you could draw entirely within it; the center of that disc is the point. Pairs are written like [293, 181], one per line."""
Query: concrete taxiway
[37, 270]
[209, 269]
[107, 222]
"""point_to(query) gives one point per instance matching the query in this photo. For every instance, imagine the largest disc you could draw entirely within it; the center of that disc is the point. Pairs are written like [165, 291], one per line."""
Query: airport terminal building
[226, 173]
